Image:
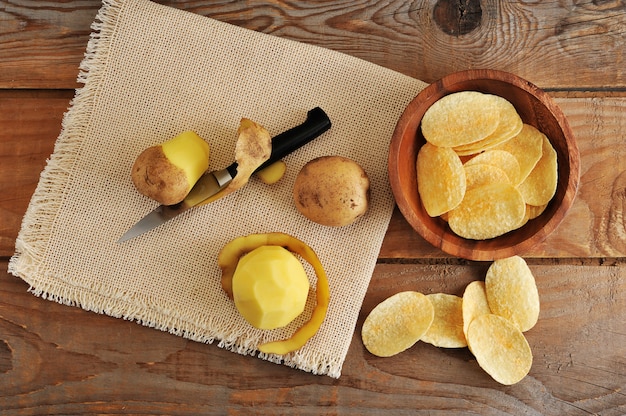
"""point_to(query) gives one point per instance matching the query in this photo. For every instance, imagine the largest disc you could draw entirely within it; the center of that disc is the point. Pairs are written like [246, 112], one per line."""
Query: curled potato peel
[235, 249]
[253, 148]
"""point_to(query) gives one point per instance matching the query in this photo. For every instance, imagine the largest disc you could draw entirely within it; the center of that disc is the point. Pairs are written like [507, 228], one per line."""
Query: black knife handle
[316, 123]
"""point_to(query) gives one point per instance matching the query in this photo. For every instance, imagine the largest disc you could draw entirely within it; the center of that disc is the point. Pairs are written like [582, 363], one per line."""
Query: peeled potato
[332, 191]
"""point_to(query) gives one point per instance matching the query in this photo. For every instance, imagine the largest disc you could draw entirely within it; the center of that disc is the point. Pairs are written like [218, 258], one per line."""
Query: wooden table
[56, 359]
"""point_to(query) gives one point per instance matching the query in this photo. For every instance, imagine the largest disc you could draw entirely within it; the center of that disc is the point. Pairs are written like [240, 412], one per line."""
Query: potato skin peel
[227, 261]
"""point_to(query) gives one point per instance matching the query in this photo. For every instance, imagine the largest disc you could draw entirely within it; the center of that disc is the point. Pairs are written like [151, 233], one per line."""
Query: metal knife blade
[209, 184]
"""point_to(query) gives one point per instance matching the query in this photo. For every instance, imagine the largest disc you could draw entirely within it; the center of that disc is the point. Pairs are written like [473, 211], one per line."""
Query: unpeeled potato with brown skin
[332, 191]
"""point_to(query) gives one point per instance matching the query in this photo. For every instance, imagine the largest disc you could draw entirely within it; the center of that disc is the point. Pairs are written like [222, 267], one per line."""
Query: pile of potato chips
[489, 318]
[482, 169]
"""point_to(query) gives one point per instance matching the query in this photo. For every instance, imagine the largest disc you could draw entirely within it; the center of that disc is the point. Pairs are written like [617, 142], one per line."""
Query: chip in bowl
[488, 211]
[440, 179]
[461, 118]
[509, 125]
[540, 185]
[526, 147]
[500, 159]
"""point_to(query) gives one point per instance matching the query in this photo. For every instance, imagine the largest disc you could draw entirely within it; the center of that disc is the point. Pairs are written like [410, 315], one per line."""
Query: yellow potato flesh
[188, 152]
[229, 257]
[270, 287]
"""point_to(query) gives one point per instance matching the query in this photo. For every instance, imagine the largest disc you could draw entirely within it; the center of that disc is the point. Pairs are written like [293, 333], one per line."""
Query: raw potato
[228, 259]
[167, 172]
[332, 191]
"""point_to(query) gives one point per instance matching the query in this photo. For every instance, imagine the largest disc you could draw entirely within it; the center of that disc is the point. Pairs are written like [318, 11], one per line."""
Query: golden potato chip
[500, 348]
[509, 125]
[524, 219]
[440, 179]
[540, 185]
[474, 303]
[487, 212]
[512, 292]
[501, 159]
[481, 174]
[397, 323]
[461, 118]
[526, 147]
[447, 326]
[535, 210]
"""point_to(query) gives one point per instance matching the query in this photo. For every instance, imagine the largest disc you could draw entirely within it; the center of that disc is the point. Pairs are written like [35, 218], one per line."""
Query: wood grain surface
[61, 360]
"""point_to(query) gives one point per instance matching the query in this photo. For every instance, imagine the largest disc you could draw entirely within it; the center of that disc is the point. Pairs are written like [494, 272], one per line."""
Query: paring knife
[316, 123]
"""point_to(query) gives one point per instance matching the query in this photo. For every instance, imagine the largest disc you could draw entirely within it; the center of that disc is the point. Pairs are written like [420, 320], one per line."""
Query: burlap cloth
[152, 71]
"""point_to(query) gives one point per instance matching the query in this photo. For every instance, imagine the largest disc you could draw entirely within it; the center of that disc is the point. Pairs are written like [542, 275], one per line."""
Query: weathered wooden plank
[593, 228]
[29, 125]
[553, 44]
[56, 359]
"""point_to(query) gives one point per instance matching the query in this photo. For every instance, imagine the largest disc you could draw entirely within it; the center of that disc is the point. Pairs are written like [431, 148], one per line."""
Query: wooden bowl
[535, 108]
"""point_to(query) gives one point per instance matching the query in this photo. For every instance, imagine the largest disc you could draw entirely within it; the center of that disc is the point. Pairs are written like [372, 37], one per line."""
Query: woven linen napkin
[152, 71]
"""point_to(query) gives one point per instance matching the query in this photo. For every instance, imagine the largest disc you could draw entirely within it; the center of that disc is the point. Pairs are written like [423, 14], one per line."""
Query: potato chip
[501, 159]
[397, 323]
[440, 179]
[461, 118]
[447, 327]
[500, 348]
[526, 147]
[540, 185]
[512, 292]
[509, 125]
[487, 212]
[481, 174]
[474, 303]
[535, 210]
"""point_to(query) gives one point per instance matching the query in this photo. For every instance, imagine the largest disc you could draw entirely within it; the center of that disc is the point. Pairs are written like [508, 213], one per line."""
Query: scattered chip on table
[512, 292]
[474, 303]
[447, 327]
[500, 348]
[397, 323]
